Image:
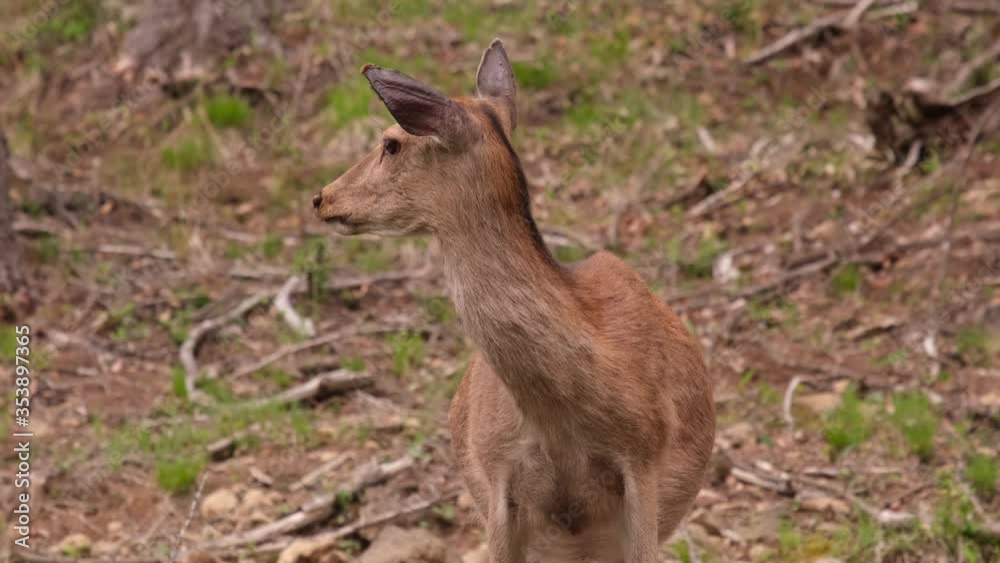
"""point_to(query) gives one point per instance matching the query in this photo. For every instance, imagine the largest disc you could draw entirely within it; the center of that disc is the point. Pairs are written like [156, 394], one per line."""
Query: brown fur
[584, 425]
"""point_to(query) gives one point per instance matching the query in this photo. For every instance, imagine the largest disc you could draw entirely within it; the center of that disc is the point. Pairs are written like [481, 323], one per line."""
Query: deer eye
[391, 146]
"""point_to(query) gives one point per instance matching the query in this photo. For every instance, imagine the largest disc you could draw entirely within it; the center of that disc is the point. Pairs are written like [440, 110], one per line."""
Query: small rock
[219, 504]
[759, 552]
[115, 527]
[479, 555]
[825, 504]
[395, 545]
[304, 551]
[255, 499]
[739, 434]
[75, 545]
[820, 403]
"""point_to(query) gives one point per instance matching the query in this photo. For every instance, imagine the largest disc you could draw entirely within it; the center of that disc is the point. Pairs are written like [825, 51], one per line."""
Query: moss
[227, 111]
[847, 426]
[916, 419]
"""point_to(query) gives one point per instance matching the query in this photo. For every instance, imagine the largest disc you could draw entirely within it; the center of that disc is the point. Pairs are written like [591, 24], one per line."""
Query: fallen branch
[795, 37]
[179, 538]
[786, 404]
[787, 485]
[283, 304]
[138, 251]
[317, 510]
[989, 528]
[963, 74]
[854, 16]
[322, 385]
[313, 477]
[835, 20]
[340, 284]
[189, 348]
[330, 539]
[316, 342]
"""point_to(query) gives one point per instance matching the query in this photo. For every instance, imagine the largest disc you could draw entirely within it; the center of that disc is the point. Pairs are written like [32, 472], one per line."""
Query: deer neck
[518, 304]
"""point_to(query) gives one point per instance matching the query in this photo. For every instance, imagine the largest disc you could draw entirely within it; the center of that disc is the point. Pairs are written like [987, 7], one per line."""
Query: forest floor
[825, 219]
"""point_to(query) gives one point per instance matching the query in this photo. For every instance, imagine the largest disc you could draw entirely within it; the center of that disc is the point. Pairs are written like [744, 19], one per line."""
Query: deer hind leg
[640, 517]
[504, 536]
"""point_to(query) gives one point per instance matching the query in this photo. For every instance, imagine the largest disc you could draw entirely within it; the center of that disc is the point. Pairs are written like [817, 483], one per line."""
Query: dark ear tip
[367, 67]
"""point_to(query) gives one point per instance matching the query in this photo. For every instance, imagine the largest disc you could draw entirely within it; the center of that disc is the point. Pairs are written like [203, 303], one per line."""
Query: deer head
[444, 157]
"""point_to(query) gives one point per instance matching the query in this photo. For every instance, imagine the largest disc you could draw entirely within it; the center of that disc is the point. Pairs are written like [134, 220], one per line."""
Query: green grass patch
[973, 344]
[369, 256]
[610, 50]
[535, 75]
[847, 426]
[125, 324]
[275, 376]
[60, 23]
[348, 101]
[981, 472]
[741, 15]
[227, 111]
[179, 475]
[957, 526]
[187, 156]
[408, 350]
[846, 280]
[175, 447]
[700, 264]
[439, 309]
[47, 249]
[312, 260]
[917, 420]
[178, 383]
[271, 247]
[353, 363]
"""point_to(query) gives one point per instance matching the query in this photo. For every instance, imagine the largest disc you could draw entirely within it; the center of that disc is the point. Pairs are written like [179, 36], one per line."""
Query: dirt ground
[217, 377]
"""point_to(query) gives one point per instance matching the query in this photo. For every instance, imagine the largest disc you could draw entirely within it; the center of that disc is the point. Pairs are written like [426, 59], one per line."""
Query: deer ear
[495, 82]
[419, 109]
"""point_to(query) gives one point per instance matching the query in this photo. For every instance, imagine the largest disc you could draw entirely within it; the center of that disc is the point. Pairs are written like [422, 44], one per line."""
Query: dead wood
[329, 539]
[320, 386]
[316, 510]
[283, 304]
[316, 342]
[189, 349]
[313, 477]
[794, 485]
[833, 21]
[176, 36]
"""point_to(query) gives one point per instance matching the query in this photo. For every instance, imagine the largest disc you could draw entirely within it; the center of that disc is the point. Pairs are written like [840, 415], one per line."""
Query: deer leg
[640, 524]
[502, 532]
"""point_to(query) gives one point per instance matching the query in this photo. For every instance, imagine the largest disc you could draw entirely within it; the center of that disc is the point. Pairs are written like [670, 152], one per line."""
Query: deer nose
[317, 200]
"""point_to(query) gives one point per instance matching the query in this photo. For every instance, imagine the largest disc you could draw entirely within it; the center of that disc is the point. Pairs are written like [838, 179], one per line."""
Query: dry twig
[332, 537]
[316, 342]
[311, 478]
[179, 538]
[189, 348]
[318, 509]
[283, 304]
[319, 386]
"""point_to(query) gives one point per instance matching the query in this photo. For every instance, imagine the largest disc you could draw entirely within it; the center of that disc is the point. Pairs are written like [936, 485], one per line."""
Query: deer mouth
[344, 224]
[345, 220]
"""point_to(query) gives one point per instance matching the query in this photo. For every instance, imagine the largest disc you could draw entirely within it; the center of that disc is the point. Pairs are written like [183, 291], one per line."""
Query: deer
[584, 424]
